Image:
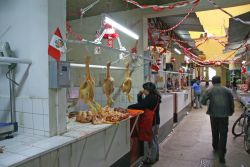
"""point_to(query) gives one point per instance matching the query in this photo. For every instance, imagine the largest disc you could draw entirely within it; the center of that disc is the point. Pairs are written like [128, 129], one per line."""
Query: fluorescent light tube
[121, 28]
[96, 66]
[187, 58]
[177, 51]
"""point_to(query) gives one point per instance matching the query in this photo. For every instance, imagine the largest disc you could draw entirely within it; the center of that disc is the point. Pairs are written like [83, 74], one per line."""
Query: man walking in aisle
[220, 107]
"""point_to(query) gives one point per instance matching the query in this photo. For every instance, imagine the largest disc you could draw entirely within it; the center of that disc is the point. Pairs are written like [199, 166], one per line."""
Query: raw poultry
[108, 86]
[127, 84]
[87, 89]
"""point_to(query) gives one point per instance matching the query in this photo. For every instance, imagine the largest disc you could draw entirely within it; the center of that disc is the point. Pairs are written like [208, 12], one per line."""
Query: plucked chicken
[87, 89]
[127, 84]
[108, 86]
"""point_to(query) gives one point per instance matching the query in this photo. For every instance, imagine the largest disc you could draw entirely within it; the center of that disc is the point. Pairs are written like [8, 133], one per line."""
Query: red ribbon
[159, 8]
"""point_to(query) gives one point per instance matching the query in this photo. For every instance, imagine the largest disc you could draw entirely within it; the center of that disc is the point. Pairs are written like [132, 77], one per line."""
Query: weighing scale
[6, 58]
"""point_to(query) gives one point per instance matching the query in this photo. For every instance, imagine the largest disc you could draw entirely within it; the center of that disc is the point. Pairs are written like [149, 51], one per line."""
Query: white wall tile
[28, 130]
[5, 115]
[19, 104]
[46, 122]
[47, 134]
[20, 129]
[5, 103]
[37, 106]
[20, 118]
[45, 106]
[38, 132]
[38, 122]
[28, 120]
[27, 105]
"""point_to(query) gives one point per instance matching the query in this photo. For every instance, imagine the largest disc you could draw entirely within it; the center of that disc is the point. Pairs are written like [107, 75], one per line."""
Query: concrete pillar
[207, 73]
[58, 101]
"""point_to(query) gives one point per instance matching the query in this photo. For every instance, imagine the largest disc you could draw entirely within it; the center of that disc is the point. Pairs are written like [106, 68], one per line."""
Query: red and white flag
[57, 45]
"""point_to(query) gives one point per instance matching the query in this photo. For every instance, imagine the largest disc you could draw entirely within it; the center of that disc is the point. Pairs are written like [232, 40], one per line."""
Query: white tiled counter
[166, 108]
[84, 145]
[182, 103]
[166, 115]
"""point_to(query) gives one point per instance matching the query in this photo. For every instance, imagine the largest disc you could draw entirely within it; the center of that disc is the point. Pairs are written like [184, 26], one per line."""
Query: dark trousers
[219, 128]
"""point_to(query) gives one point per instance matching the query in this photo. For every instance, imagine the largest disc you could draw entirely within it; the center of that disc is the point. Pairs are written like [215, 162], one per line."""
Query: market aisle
[190, 144]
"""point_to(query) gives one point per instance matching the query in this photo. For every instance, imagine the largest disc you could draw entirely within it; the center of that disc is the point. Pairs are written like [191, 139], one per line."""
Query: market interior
[100, 52]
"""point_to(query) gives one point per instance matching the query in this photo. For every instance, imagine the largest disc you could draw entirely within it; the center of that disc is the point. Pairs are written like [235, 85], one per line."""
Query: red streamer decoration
[159, 8]
[74, 34]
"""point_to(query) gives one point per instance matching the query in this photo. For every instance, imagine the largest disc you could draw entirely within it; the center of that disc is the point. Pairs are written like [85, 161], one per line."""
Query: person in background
[207, 84]
[197, 93]
[151, 101]
[169, 83]
[234, 87]
[221, 106]
[187, 80]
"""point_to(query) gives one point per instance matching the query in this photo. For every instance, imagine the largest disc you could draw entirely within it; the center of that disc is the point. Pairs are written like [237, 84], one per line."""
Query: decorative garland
[159, 8]
[74, 34]
[180, 22]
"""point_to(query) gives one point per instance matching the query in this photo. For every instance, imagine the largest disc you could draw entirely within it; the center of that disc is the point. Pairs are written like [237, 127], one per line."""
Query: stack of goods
[106, 116]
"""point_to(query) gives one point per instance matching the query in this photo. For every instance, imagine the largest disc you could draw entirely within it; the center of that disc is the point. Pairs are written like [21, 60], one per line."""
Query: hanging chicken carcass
[127, 84]
[87, 89]
[108, 86]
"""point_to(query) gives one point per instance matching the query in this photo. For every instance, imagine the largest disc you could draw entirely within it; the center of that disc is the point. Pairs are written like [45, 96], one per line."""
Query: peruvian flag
[57, 45]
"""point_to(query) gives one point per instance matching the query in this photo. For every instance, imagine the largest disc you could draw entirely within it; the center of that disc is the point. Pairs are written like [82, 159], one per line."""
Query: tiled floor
[190, 143]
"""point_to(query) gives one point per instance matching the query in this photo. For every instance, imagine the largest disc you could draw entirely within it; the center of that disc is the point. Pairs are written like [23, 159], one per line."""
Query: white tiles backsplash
[28, 120]
[19, 104]
[38, 121]
[5, 103]
[28, 130]
[27, 105]
[37, 106]
[20, 119]
[33, 116]
[47, 134]
[46, 122]
[38, 132]
[45, 103]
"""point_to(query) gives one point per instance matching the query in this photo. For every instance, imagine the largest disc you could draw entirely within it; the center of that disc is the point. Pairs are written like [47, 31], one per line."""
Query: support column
[202, 73]
[57, 97]
[207, 74]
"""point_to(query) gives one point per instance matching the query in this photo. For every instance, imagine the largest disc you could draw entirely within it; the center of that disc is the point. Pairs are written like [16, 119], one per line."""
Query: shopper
[150, 120]
[234, 87]
[197, 93]
[169, 84]
[221, 106]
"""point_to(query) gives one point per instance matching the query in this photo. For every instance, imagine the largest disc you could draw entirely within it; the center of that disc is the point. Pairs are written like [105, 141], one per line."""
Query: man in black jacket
[221, 106]
[151, 100]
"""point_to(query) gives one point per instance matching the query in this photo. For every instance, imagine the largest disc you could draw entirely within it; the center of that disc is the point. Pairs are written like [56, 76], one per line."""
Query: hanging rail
[86, 42]
[9, 60]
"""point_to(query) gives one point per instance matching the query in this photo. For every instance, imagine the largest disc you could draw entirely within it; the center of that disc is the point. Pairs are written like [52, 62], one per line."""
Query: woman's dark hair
[151, 88]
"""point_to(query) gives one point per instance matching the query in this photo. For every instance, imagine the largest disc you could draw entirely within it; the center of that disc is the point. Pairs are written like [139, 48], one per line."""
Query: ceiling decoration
[217, 28]
[105, 6]
[159, 8]
[238, 31]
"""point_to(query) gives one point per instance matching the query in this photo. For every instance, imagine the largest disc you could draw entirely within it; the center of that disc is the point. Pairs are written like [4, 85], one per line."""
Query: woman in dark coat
[150, 98]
